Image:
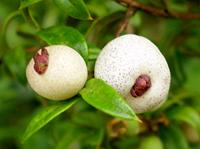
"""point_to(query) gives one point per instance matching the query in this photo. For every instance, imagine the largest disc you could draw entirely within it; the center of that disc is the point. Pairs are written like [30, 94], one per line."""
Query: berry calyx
[41, 61]
[57, 72]
[142, 84]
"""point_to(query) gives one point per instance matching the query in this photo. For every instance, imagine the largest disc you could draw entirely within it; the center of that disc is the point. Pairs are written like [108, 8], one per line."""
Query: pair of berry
[131, 64]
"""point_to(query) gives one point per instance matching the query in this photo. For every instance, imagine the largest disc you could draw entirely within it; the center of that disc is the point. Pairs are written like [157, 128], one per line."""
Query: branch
[123, 24]
[160, 12]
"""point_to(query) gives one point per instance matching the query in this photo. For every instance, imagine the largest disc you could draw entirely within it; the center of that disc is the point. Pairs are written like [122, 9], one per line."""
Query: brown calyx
[117, 128]
[142, 84]
[41, 61]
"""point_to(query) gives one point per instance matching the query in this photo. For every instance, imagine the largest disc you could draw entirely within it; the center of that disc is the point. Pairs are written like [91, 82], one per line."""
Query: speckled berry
[56, 72]
[124, 60]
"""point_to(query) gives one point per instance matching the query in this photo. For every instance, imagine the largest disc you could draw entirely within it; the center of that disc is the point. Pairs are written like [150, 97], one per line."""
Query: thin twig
[33, 19]
[158, 11]
[123, 24]
[9, 19]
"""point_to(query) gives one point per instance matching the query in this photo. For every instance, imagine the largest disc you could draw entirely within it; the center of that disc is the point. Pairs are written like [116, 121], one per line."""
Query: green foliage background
[28, 25]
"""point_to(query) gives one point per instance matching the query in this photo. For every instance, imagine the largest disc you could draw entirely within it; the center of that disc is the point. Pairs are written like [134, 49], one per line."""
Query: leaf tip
[139, 120]
[90, 18]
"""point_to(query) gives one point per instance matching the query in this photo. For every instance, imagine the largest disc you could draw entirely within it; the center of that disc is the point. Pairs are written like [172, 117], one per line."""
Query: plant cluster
[102, 74]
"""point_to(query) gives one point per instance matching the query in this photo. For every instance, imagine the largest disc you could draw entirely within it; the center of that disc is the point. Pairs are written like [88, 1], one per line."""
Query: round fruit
[135, 67]
[151, 142]
[57, 72]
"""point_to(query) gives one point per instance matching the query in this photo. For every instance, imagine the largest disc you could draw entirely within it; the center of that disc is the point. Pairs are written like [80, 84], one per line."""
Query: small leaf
[26, 3]
[185, 114]
[65, 35]
[45, 115]
[103, 97]
[74, 8]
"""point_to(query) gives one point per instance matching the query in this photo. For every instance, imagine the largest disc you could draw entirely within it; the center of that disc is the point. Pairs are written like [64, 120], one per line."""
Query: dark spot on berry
[142, 84]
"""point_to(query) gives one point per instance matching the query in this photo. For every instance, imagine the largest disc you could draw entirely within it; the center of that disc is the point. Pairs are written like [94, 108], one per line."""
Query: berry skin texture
[135, 67]
[57, 72]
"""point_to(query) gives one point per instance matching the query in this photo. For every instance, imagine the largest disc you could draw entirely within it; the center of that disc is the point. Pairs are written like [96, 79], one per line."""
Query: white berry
[126, 58]
[64, 76]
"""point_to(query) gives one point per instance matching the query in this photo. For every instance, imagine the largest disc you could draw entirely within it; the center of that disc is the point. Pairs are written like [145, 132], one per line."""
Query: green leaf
[103, 97]
[27, 13]
[185, 114]
[41, 140]
[65, 35]
[26, 3]
[73, 134]
[45, 115]
[93, 52]
[193, 79]
[94, 138]
[90, 119]
[173, 138]
[74, 8]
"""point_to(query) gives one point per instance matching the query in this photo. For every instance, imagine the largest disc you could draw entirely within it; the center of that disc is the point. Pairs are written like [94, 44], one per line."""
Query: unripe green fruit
[57, 72]
[135, 67]
[151, 142]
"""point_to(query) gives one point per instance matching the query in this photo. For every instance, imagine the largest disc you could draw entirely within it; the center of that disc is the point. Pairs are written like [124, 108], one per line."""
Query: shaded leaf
[65, 35]
[26, 3]
[15, 60]
[103, 97]
[89, 119]
[93, 52]
[173, 138]
[193, 79]
[72, 135]
[185, 114]
[94, 138]
[45, 115]
[41, 140]
[106, 7]
[74, 8]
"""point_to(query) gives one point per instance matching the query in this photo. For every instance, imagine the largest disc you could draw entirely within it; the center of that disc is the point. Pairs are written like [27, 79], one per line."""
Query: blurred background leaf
[74, 8]
[67, 36]
[26, 3]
